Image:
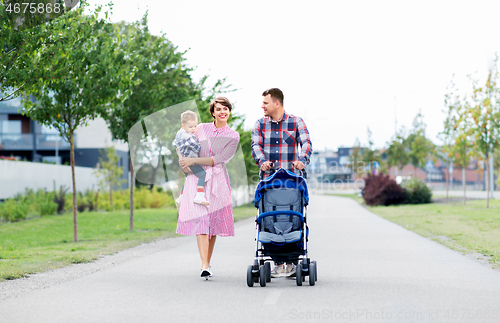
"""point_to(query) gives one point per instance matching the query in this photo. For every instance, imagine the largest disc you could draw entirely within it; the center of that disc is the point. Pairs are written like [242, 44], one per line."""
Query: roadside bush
[13, 210]
[81, 202]
[417, 192]
[60, 199]
[154, 198]
[44, 203]
[381, 190]
[92, 198]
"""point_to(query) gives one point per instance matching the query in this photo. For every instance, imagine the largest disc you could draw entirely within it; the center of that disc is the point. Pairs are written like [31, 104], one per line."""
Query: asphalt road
[369, 270]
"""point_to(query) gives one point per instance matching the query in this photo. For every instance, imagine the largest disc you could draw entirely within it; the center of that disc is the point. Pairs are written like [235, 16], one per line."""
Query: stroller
[281, 227]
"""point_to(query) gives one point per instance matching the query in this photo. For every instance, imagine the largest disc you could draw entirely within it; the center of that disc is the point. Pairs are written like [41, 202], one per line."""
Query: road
[369, 269]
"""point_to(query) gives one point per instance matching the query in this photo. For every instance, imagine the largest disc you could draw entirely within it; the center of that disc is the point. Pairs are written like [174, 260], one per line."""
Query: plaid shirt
[187, 143]
[278, 141]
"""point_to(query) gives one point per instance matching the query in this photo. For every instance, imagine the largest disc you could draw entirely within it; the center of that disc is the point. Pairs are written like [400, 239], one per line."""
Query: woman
[218, 146]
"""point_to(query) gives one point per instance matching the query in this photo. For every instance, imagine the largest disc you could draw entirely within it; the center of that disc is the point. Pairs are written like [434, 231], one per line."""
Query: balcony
[49, 141]
[17, 141]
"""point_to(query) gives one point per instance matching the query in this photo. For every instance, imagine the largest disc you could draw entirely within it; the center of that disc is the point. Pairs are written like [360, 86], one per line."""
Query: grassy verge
[469, 229]
[46, 243]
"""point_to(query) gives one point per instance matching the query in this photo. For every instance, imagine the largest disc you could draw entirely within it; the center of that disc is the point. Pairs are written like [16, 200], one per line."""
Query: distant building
[26, 139]
[334, 167]
[329, 166]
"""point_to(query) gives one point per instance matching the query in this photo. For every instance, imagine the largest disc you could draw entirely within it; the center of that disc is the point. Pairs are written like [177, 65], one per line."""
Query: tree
[456, 134]
[397, 153]
[152, 111]
[355, 158]
[421, 149]
[369, 154]
[22, 36]
[84, 70]
[464, 145]
[162, 80]
[109, 172]
[485, 113]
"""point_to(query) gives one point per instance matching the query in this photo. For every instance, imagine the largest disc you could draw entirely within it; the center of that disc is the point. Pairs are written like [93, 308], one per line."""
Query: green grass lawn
[46, 243]
[468, 229]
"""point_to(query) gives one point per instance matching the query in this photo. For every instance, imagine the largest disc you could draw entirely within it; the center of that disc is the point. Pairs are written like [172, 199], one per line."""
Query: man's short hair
[188, 116]
[222, 100]
[276, 94]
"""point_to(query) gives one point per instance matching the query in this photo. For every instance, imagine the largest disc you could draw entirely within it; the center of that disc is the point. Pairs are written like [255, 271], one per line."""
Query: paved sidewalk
[369, 270]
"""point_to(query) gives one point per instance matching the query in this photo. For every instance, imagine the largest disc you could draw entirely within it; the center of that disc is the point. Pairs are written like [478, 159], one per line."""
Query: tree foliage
[356, 158]
[370, 155]
[84, 70]
[420, 149]
[397, 153]
[21, 44]
[485, 114]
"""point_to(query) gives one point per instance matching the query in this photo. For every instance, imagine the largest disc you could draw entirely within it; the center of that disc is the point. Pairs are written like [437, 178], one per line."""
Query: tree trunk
[447, 181]
[463, 182]
[72, 159]
[111, 194]
[131, 196]
[486, 163]
[96, 200]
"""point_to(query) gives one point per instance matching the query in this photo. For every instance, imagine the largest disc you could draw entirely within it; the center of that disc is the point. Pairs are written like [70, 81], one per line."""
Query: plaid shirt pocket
[289, 137]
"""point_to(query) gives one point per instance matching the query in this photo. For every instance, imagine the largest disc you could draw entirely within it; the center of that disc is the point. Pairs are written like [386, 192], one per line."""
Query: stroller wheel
[298, 274]
[263, 274]
[315, 269]
[249, 276]
[312, 274]
[268, 272]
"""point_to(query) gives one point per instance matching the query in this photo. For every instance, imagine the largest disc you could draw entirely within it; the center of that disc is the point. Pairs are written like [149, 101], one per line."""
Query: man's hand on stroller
[266, 165]
[299, 165]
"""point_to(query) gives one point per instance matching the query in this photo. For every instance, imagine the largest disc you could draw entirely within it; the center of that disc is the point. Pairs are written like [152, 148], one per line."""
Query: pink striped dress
[217, 219]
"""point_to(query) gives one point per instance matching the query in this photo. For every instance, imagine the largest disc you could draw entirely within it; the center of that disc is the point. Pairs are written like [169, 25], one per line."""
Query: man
[275, 140]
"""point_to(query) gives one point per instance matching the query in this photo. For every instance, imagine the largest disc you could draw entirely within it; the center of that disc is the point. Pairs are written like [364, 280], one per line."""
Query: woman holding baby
[218, 145]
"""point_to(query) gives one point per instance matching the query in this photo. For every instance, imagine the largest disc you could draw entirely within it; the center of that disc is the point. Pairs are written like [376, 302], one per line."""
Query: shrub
[14, 210]
[92, 198]
[60, 199]
[81, 202]
[417, 192]
[44, 203]
[381, 190]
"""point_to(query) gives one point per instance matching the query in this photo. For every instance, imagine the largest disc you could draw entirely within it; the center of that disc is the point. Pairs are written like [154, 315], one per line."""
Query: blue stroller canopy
[282, 178]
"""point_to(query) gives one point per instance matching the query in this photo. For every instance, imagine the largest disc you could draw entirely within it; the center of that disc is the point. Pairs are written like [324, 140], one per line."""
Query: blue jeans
[199, 172]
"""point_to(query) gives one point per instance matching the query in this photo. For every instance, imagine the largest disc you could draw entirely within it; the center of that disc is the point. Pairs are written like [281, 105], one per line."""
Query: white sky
[339, 63]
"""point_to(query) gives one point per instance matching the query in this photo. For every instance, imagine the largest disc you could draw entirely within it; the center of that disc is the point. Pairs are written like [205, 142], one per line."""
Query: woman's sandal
[205, 273]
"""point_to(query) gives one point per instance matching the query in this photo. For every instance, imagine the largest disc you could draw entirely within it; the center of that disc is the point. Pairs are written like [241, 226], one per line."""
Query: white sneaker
[278, 271]
[200, 199]
[178, 201]
[290, 270]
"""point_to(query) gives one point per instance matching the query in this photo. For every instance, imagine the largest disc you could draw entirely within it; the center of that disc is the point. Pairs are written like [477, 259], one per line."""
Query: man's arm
[258, 143]
[304, 140]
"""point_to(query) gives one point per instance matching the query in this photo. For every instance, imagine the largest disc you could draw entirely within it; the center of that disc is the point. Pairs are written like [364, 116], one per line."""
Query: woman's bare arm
[188, 161]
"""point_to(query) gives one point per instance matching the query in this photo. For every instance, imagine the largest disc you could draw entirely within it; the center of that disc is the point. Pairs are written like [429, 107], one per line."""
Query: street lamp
[395, 96]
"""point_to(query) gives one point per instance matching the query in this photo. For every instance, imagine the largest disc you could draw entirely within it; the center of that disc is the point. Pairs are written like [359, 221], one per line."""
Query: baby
[188, 146]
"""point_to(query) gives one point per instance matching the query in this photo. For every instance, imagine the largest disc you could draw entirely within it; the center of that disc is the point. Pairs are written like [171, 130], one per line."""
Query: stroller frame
[260, 271]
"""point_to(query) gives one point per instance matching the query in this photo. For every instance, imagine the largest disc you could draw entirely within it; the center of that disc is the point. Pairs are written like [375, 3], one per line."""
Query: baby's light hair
[187, 116]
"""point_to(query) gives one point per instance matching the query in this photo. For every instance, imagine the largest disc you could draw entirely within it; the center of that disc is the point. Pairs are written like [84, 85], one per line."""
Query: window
[10, 126]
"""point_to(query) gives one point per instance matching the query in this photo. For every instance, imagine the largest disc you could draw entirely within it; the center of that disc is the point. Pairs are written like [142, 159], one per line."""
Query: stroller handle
[302, 172]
